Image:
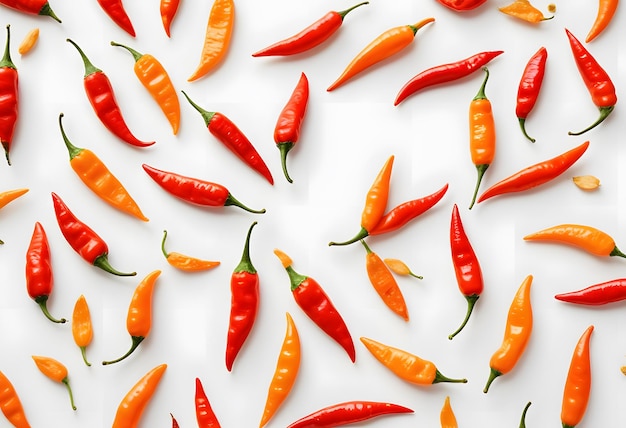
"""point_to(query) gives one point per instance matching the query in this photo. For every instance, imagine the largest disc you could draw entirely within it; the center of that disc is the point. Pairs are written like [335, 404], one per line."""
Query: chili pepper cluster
[215, 338]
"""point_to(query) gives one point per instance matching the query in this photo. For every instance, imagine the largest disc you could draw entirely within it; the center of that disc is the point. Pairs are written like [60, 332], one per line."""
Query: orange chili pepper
[99, 179]
[10, 404]
[382, 47]
[186, 263]
[29, 41]
[135, 401]
[524, 10]
[482, 133]
[606, 10]
[446, 417]
[519, 325]
[139, 319]
[577, 383]
[375, 203]
[217, 39]
[400, 268]
[82, 330]
[406, 366]
[56, 371]
[9, 196]
[384, 283]
[286, 372]
[584, 237]
[157, 82]
[168, 9]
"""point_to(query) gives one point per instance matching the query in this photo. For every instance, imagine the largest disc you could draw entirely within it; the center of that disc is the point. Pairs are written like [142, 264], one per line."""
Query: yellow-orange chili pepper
[446, 417]
[406, 366]
[154, 77]
[519, 325]
[186, 263]
[29, 41]
[286, 372]
[524, 10]
[10, 403]
[400, 268]
[82, 329]
[139, 318]
[9, 196]
[375, 203]
[482, 129]
[384, 283]
[99, 179]
[56, 371]
[219, 31]
[584, 237]
[606, 10]
[578, 383]
[134, 403]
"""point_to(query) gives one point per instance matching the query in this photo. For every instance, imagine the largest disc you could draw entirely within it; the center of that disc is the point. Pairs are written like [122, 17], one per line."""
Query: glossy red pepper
[529, 87]
[87, 243]
[31, 7]
[244, 286]
[174, 422]
[115, 10]
[445, 73]
[204, 413]
[461, 5]
[195, 191]
[231, 136]
[39, 278]
[348, 413]
[9, 97]
[467, 269]
[597, 294]
[168, 9]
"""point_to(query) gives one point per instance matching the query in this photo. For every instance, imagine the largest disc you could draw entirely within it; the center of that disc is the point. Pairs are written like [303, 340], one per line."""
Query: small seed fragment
[586, 182]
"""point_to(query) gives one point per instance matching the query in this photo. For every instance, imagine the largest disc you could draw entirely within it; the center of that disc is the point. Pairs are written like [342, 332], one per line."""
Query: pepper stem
[522, 423]
[206, 115]
[522, 125]
[284, 149]
[231, 200]
[617, 252]
[471, 301]
[47, 11]
[136, 340]
[102, 262]
[136, 55]
[6, 59]
[420, 24]
[492, 376]
[245, 265]
[89, 67]
[83, 352]
[361, 235]
[441, 378]
[481, 91]
[295, 278]
[367, 248]
[1, 242]
[72, 149]
[41, 301]
[343, 13]
[69, 390]
[604, 113]
[481, 171]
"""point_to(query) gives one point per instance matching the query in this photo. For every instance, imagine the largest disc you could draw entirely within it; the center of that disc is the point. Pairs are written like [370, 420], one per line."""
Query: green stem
[481, 91]
[343, 13]
[41, 301]
[441, 378]
[295, 278]
[471, 301]
[6, 59]
[616, 252]
[136, 340]
[206, 115]
[522, 423]
[89, 67]
[69, 390]
[231, 200]
[47, 11]
[102, 262]
[284, 149]
[72, 149]
[481, 172]
[163, 244]
[136, 55]
[604, 113]
[361, 235]
[522, 125]
[492, 376]
[83, 352]
[245, 265]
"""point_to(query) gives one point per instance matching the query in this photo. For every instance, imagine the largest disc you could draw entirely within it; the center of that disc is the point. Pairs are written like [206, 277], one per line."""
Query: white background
[346, 137]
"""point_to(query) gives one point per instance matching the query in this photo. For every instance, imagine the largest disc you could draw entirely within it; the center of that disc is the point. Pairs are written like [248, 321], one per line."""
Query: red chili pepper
[467, 269]
[174, 422]
[87, 243]
[596, 80]
[195, 191]
[462, 5]
[8, 97]
[287, 130]
[204, 413]
[597, 294]
[529, 87]
[168, 9]
[312, 36]
[39, 278]
[102, 99]
[115, 10]
[535, 175]
[228, 134]
[348, 413]
[445, 73]
[244, 286]
[32, 7]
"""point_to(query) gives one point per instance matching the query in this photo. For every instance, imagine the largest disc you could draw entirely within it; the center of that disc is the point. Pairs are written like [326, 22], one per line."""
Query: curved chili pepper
[287, 130]
[219, 31]
[482, 129]
[407, 366]
[524, 10]
[348, 412]
[535, 175]
[445, 73]
[39, 278]
[102, 99]
[578, 383]
[606, 10]
[29, 41]
[529, 87]
[587, 238]
[597, 294]
[9, 97]
[10, 404]
[316, 304]
[87, 243]
[9, 196]
[375, 203]
[244, 286]
[310, 37]
[56, 371]
[446, 416]
[469, 276]
[31, 7]
[168, 9]
[400, 268]
[157, 82]
[596, 80]
[99, 179]
[139, 319]
[186, 263]
[519, 325]
[384, 283]
[286, 372]
[461, 5]
[174, 422]
[115, 10]
[133, 404]
[231, 136]
[204, 413]
[82, 330]
[382, 47]
[195, 191]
